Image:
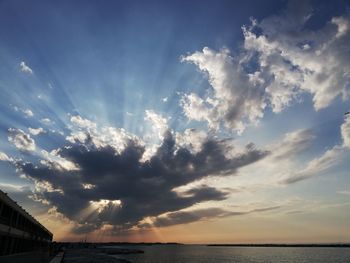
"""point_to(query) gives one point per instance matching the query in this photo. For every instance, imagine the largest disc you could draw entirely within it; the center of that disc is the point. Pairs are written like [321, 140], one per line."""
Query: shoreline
[280, 245]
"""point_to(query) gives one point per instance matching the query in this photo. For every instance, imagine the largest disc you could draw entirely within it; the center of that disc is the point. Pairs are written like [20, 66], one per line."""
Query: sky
[178, 121]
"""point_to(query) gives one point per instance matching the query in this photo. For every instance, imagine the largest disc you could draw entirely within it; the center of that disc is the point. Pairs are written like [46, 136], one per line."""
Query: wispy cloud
[25, 68]
[185, 217]
[46, 121]
[316, 166]
[26, 112]
[344, 192]
[5, 158]
[327, 160]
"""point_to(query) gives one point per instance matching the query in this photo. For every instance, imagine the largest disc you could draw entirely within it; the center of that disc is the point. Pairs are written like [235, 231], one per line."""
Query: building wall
[19, 231]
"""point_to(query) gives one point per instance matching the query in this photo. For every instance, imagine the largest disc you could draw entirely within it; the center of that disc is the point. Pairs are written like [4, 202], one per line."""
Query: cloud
[159, 123]
[292, 143]
[198, 109]
[316, 166]
[36, 131]
[21, 140]
[327, 159]
[82, 123]
[55, 161]
[26, 112]
[86, 131]
[165, 99]
[280, 60]
[46, 121]
[11, 188]
[192, 139]
[299, 60]
[284, 165]
[124, 186]
[345, 132]
[23, 194]
[233, 101]
[344, 192]
[185, 217]
[4, 157]
[24, 68]
[282, 158]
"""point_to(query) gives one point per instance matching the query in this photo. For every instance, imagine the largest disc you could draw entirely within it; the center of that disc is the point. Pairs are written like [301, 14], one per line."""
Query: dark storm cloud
[145, 189]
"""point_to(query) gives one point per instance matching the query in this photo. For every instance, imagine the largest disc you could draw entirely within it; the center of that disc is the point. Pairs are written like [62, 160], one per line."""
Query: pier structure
[20, 233]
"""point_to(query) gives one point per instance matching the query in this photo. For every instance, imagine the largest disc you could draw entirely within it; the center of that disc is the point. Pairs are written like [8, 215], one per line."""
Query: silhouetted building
[20, 233]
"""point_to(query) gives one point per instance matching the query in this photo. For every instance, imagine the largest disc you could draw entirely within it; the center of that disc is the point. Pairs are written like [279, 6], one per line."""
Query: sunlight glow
[104, 203]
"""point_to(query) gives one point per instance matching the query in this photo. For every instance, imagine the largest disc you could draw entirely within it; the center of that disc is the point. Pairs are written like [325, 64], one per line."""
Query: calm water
[204, 254]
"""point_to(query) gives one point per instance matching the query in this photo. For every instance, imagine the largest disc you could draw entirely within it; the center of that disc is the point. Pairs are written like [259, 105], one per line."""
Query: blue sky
[91, 76]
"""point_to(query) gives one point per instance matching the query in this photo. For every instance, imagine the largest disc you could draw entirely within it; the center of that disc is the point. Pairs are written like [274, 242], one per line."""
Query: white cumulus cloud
[36, 131]
[85, 130]
[234, 101]
[82, 123]
[28, 113]
[280, 60]
[158, 122]
[293, 59]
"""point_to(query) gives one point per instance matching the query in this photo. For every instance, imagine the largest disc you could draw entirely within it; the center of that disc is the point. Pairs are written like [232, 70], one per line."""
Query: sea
[207, 254]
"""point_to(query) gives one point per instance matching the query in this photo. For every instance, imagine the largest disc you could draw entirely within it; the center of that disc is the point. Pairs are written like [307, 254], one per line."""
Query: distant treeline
[279, 245]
